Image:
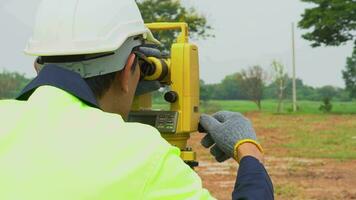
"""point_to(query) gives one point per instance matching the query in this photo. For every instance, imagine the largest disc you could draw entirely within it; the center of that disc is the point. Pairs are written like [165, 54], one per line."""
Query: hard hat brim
[148, 36]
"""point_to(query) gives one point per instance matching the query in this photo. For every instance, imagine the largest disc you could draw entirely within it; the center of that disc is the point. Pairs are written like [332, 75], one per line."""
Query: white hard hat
[91, 65]
[73, 27]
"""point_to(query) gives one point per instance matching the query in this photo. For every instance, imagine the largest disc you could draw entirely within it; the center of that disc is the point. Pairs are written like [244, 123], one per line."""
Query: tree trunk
[258, 102]
[280, 96]
[279, 105]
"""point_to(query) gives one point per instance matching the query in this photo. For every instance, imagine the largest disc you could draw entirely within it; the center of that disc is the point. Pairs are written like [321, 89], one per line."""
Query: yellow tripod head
[179, 71]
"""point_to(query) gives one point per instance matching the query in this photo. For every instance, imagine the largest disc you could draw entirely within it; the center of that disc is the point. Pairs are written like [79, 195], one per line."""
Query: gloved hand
[144, 87]
[227, 130]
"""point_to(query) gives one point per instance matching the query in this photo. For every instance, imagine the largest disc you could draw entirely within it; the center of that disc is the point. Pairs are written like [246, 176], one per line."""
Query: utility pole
[294, 71]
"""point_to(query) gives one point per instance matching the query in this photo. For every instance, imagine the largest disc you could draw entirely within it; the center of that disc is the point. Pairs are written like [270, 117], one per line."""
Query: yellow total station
[180, 72]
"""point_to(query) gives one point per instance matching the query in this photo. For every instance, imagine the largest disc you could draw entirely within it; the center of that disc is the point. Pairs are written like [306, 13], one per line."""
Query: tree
[327, 92]
[11, 84]
[331, 22]
[280, 78]
[252, 82]
[205, 95]
[173, 11]
[230, 87]
[349, 74]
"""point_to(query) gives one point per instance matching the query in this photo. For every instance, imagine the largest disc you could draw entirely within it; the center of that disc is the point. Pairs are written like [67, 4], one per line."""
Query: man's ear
[126, 73]
[36, 65]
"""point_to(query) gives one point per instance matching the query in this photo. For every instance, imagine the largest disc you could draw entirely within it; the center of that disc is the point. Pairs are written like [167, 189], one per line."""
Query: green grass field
[308, 133]
[270, 106]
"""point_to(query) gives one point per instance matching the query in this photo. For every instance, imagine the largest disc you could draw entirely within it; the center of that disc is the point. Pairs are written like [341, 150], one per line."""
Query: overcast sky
[246, 33]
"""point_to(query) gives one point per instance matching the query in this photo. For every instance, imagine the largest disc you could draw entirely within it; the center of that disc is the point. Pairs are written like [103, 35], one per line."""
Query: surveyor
[66, 136]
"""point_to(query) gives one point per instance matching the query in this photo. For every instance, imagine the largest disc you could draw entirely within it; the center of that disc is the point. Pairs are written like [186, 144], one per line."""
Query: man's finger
[207, 141]
[223, 116]
[222, 158]
[216, 151]
[208, 122]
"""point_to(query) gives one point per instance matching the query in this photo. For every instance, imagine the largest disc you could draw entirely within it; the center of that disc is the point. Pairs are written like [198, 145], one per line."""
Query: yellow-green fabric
[54, 147]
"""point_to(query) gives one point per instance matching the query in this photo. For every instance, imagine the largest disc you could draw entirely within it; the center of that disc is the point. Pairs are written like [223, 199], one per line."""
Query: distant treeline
[229, 89]
[11, 83]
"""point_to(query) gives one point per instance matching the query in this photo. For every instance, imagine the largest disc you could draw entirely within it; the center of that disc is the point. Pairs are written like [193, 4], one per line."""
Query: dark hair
[100, 84]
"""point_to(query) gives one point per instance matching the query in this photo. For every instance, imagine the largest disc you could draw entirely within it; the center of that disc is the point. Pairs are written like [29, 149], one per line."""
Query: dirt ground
[293, 178]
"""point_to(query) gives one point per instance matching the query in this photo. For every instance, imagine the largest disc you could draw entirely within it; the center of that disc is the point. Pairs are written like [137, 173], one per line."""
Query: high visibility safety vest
[56, 146]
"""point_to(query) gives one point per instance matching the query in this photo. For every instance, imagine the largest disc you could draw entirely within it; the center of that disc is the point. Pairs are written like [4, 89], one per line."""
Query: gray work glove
[227, 130]
[145, 87]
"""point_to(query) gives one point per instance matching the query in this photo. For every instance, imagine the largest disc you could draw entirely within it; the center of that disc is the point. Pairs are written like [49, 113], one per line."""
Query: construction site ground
[307, 157]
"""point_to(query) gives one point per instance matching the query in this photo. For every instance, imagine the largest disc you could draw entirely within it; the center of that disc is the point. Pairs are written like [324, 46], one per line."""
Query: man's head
[115, 91]
[95, 39]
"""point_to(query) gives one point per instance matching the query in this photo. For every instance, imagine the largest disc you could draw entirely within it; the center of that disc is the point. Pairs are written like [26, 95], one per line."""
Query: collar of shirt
[71, 82]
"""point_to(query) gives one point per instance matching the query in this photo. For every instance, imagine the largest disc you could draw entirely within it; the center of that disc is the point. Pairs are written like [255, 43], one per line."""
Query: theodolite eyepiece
[152, 64]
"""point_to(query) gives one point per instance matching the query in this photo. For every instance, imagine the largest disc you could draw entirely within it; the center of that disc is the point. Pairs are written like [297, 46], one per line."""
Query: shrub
[326, 106]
